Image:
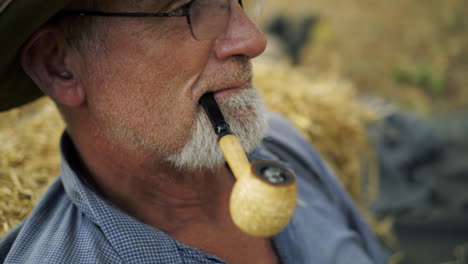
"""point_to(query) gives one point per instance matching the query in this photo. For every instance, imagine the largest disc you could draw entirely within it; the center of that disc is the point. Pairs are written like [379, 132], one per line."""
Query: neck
[154, 191]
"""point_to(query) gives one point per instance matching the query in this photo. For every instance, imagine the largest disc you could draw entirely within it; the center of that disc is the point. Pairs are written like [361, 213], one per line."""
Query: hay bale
[29, 160]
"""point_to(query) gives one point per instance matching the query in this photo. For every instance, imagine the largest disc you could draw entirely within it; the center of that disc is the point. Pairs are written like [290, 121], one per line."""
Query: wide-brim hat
[18, 20]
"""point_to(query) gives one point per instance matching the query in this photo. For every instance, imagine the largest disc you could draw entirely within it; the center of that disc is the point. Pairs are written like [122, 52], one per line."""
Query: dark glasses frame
[185, 13]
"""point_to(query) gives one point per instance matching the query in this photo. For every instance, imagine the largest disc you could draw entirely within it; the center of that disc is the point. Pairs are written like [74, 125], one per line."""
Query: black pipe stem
[209, 104]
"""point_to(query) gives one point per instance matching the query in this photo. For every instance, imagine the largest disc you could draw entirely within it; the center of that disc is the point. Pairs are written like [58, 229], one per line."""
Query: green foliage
[422, 76]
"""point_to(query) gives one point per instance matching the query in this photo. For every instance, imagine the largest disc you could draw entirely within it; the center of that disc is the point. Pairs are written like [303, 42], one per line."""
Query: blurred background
[407, 61]
[380, 89]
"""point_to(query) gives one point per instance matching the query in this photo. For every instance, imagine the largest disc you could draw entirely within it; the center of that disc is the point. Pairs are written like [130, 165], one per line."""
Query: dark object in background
[293, 35]
[405, 146]
[424, 182]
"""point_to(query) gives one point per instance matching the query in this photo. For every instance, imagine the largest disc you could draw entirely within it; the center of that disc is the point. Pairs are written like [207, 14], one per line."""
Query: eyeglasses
[207, 19]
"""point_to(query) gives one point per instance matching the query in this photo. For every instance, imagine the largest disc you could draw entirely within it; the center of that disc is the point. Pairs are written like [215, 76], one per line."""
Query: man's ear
[48, 62]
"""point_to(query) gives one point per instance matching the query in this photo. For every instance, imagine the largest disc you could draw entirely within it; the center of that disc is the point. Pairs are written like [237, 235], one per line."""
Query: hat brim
[18, 20]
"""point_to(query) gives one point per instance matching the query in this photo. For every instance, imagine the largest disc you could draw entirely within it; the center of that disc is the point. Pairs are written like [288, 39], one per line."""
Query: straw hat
[18, 20]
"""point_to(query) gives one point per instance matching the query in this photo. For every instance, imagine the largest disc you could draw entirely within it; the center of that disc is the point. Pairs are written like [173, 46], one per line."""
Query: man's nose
[242, 36]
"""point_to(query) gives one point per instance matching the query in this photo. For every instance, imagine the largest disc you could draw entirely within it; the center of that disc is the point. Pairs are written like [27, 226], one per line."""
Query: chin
[245, 113]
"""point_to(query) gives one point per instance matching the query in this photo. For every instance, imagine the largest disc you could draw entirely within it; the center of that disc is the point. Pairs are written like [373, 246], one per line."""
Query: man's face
[143, 86]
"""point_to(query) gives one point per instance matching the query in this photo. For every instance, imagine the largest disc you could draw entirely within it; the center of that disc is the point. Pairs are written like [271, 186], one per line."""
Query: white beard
[245, 113]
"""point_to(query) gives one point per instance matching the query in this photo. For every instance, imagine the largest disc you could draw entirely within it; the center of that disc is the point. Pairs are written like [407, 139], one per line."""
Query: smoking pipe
[263, 198]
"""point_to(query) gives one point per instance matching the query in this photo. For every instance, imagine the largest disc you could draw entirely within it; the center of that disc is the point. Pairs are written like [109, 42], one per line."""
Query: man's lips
[229, 90]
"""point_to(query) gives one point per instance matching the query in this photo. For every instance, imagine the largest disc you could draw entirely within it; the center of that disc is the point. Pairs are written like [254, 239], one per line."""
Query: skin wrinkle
[182, 160]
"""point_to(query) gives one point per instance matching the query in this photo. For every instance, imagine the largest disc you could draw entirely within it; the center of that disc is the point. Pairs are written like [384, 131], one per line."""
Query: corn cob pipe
[263, 198]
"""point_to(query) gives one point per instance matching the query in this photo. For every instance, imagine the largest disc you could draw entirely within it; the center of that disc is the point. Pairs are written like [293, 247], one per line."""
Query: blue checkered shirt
[74, 224]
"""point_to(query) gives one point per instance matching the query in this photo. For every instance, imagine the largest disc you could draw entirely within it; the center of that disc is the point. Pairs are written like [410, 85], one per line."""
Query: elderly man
[143, 180]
